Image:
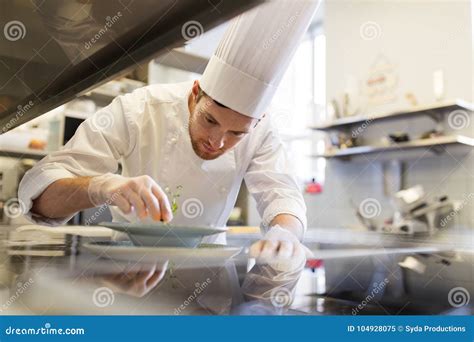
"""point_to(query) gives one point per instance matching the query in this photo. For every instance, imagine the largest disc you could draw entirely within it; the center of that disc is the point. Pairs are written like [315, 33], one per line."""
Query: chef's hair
[202, 93]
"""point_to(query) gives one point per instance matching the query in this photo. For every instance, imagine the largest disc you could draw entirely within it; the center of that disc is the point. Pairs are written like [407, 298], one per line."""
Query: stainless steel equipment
[55, 50]
[414, 214]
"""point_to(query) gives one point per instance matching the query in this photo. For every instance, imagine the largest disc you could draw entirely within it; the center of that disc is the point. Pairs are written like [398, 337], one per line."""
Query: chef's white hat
[245, 70]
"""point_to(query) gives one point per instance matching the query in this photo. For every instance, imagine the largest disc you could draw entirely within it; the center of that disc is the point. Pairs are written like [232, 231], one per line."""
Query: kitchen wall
[413, 39]
[408, 41]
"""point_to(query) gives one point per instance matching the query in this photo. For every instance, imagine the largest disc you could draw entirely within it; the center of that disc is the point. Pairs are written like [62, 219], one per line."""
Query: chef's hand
[136, 283]
[141, 194]
[280, 249]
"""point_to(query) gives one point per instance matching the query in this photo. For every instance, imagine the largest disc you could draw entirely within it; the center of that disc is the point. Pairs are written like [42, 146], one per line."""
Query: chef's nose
[216, 141]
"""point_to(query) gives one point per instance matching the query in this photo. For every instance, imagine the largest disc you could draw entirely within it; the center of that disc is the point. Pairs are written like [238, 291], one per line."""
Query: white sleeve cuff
[283, 206]
[32, 185]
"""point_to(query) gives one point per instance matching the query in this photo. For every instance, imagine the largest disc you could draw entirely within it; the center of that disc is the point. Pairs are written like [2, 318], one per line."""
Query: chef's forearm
[289, 222]
[63, 198]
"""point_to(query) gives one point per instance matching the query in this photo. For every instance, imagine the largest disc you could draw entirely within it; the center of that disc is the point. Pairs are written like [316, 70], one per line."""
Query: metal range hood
[52, 51]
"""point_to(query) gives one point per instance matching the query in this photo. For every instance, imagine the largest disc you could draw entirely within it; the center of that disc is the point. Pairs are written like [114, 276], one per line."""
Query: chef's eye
[238, 134]
[211, 121]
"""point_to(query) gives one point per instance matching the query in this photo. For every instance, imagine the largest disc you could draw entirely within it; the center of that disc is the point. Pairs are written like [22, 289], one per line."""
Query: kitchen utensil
[398, 137]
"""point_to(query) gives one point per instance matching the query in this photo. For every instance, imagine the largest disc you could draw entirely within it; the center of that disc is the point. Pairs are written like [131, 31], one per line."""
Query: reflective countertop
[371, 283]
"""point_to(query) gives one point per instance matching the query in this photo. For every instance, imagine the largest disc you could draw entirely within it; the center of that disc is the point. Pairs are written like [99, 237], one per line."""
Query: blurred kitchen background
[376, 110]
[376, 100]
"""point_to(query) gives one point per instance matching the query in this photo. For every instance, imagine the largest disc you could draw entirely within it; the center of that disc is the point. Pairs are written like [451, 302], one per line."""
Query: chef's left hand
[280, 249]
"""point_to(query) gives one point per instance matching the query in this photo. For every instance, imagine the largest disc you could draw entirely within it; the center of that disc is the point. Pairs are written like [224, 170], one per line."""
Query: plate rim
[123, 226]
[96, 249]
[95, 246]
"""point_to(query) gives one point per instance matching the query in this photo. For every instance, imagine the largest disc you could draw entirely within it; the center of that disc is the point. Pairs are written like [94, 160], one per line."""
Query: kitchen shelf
[436, 112]
[181, 59]
[23, 153]
[432, 143]
[101, 97]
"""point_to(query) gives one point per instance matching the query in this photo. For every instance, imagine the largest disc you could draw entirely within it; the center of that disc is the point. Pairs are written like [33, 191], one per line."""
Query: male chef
[199, 138]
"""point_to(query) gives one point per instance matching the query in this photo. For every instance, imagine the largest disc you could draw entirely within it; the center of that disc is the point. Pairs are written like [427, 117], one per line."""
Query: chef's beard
[197, 146]
[202, 154]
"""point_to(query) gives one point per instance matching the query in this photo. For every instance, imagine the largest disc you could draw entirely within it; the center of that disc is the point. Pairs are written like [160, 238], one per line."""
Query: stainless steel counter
[386, 273]
[88, 284]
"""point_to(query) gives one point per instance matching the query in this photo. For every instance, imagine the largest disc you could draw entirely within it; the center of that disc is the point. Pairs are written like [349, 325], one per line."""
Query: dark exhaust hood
[54, 50]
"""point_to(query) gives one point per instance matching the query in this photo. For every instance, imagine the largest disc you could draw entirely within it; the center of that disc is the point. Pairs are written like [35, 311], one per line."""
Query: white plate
[163, 235]
[184, 257]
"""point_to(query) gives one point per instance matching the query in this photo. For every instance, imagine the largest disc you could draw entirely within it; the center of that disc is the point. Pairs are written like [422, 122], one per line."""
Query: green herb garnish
[174, 197]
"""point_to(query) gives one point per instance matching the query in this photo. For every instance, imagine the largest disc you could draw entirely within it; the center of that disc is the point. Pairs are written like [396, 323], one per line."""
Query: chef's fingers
[286, 249]
[255, 249]
[146, 281]
[122, 203]
[165, 208]
[159, 274]
[155, 279]
[269, 249]
[130, 276]
[136, 202]
[143, 276]
[299, 252]
[152, 204]
[152, 271]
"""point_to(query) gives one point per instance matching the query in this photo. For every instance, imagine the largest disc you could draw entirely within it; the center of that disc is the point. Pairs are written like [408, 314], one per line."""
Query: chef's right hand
[141, 194]
[136, 283]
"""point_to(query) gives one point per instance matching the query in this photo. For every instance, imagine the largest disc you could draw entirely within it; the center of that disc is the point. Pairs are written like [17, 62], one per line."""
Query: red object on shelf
[313, 187]
[314, 263]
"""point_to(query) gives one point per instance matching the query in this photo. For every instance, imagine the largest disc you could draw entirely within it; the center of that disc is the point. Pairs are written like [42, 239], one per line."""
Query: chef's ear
[196, 89]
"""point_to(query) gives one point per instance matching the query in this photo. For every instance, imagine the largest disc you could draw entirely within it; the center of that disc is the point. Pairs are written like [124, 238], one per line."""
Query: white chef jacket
[147, 132]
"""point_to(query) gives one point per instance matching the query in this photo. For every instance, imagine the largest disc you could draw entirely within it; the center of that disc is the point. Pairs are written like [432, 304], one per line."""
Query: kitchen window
[300, 101]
